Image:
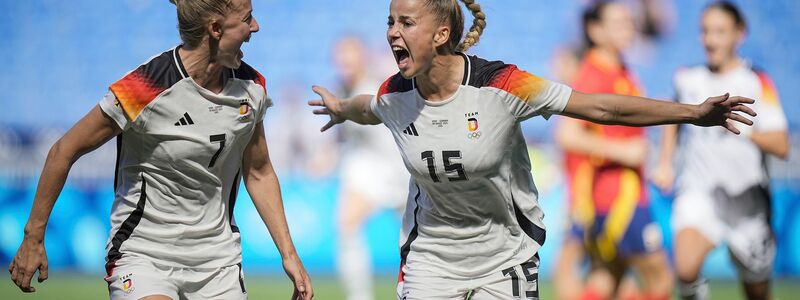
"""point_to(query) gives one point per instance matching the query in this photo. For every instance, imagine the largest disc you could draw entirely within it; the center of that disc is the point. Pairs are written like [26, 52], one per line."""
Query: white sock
[355, 267]
[697, 290]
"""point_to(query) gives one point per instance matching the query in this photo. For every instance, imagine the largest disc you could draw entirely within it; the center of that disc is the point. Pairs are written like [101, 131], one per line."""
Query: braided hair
[449, 11]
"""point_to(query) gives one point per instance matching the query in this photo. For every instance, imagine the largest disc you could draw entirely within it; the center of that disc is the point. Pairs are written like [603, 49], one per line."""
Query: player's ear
[214, 28]
[441, 37]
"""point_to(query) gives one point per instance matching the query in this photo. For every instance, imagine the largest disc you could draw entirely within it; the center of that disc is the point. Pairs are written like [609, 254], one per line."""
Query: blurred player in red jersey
[608, 201]
[711, 206]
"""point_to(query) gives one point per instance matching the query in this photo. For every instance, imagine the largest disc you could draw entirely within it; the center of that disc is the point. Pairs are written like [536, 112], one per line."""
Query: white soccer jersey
[179, 161]
[472, 207]
[708, 156]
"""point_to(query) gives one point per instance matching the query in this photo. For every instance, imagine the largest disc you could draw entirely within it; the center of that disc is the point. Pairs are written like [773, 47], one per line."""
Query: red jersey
[597, 185]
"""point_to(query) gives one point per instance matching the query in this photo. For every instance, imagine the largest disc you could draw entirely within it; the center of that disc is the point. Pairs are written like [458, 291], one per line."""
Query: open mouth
[401, 55]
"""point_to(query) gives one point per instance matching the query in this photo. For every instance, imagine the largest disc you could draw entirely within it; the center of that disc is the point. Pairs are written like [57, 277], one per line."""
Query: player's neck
[726, 66]
[200, 66]
[442, 80]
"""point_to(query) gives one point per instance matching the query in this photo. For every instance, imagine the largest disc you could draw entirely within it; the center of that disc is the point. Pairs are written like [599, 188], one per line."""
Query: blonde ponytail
[194, 15]
[478, 24]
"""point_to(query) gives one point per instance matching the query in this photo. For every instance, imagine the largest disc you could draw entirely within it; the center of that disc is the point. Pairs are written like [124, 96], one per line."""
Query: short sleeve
[768, 107]
[378, 108]
[266, 101]
[265, 104]
[112, 108]
[530, 95]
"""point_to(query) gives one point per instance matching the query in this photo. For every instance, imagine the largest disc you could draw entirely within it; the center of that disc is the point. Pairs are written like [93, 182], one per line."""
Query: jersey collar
[179, 63]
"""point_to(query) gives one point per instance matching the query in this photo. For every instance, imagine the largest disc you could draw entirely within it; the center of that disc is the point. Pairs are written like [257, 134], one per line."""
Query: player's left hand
[297, 273]
[717, 111]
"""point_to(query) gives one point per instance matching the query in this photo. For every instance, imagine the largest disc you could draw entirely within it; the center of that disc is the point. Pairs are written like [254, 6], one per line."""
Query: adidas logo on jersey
[411, 130]
[185, 120]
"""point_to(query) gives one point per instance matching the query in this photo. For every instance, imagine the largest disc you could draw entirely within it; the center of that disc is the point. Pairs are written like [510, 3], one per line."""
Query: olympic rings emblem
[474, 135]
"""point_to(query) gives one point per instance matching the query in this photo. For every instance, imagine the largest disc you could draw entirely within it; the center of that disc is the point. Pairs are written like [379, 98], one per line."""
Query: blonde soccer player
[473, 225]
[188, 124]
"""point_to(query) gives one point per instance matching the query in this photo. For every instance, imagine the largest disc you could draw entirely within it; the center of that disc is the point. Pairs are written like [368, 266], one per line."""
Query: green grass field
[67, 286]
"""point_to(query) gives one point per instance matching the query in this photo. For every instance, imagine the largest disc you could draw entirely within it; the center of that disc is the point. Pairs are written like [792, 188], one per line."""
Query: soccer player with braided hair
[472, 225]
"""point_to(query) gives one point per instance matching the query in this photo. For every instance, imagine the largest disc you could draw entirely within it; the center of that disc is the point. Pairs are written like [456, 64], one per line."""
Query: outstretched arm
[262, 185]
[94, 130]
[356, 109]
[613, 109]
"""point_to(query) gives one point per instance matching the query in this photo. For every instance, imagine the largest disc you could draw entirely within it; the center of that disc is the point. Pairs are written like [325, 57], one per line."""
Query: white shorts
[516, 282]
[134, 278]
[742, 221]
[382, 180]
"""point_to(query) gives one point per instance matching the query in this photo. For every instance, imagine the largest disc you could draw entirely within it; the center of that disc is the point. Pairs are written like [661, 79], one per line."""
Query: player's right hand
[297, 273]
[330, 106]
[30, 257]
[722, 111]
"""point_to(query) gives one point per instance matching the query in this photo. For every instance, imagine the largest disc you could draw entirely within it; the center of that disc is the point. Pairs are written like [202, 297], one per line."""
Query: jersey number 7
[217, 138]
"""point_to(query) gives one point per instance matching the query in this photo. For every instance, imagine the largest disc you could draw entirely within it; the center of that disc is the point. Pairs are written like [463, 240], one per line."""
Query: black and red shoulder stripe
[484, 72]
[142, 85]
[519, 83]
[769, 94]
[395, 84]
[246, 72]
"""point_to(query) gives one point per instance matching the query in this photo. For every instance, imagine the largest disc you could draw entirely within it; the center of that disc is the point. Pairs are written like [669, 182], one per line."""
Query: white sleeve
[266, 103]
[768, 107]
[112, 108]
[378, 108]
[770, 117]
[529, 95]
[552, 100]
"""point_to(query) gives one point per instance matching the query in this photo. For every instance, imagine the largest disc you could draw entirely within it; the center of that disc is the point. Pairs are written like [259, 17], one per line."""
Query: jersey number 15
[449, 167]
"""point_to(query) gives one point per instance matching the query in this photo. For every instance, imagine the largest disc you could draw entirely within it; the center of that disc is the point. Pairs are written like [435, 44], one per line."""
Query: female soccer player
[188, 123]
[610, 211]
[722, 187]
[472, 224]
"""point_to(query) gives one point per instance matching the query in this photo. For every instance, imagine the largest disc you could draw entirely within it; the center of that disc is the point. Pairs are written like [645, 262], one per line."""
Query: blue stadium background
[60, 56]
